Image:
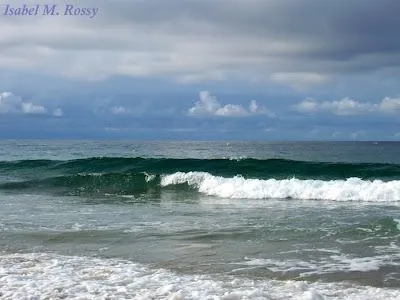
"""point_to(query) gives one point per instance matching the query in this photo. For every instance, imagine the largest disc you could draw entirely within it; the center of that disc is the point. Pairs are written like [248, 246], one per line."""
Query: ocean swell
[244, 178]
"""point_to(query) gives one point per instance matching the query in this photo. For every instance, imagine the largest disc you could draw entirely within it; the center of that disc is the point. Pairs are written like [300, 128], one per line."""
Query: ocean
[199, 220]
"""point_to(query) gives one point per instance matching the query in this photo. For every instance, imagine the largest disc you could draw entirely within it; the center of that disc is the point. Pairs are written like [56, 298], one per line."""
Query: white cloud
[209, 105]
[30, 108]
[58, 112]
[390, 105]
[337, 134]
[270, 129]
[11, 104]
[348, 106]
[120, 110]
[231, 110]
[357, 135]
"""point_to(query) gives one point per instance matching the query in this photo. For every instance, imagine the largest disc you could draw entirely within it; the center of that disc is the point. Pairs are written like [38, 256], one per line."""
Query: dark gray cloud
[299, 43]
[330, 30]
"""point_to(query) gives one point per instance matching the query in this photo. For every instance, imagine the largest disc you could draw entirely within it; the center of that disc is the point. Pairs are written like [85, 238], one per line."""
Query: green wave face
[252, 168]
[132, 175]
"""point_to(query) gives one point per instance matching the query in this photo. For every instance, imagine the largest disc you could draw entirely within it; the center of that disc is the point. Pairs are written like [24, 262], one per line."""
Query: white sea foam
[397, 223]
[337, 263]
[149, 177]
[48, 276]
[239, 187]
[94, 174]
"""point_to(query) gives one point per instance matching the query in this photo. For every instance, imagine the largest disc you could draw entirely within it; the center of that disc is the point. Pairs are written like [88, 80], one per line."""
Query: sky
[202, 70]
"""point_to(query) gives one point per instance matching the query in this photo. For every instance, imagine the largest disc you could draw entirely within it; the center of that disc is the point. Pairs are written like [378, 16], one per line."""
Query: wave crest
[239, 187]
[252, 168]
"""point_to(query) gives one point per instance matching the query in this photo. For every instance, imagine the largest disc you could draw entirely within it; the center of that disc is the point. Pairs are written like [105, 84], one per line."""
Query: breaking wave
[244, 178]
[239, 187]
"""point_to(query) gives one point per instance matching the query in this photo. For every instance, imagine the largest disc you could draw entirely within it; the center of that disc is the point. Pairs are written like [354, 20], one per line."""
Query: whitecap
[351, 189]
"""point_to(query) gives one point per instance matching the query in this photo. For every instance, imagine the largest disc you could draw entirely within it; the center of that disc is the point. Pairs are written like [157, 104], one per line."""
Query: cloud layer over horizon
[204, 69]
[348, 107]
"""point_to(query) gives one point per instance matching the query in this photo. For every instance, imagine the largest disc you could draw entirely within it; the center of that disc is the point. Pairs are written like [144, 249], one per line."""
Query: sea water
[199, 220]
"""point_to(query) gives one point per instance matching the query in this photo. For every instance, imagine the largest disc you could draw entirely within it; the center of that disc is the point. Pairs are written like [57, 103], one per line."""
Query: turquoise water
[199, 220]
